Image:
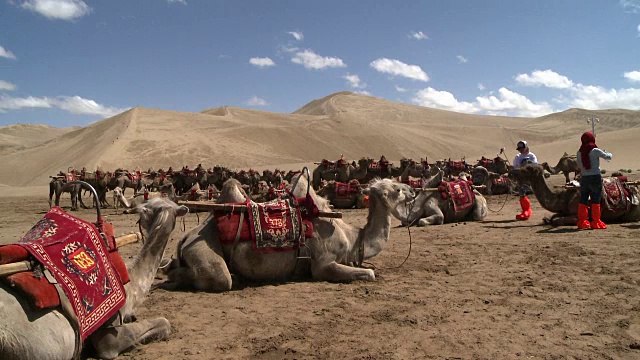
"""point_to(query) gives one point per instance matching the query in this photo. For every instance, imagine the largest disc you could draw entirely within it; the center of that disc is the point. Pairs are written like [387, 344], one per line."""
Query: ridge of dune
[17, 137]
[343, 123]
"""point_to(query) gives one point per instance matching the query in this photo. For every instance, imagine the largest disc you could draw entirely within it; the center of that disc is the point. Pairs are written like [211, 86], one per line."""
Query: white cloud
[638, 30]
[632, 75]
[596, 98]
[297, 35]
[481, 86]
[311, 60]
[354, 81]
[72, 104]
[462, 59]
[418, 35]
[79, 105]
[431, 97]
[363, 92]
[261, 62]
[509, 102]
[398, 68]
[7, 86]
[631, 6]
[183, 2]
[58, 9]
[546, 78]
[256, 101]
[16, 103]
[400, 89]
[6, 54]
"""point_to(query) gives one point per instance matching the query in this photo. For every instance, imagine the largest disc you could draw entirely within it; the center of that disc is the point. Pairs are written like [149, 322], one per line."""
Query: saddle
[344, 190]
[274, 226]
[415, 184]
[460, 192]
[83, 263]
[615, 196]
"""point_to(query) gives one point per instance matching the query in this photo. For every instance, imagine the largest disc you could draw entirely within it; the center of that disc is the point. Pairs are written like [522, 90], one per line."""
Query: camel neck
[549, 199]
[376, 232]
[144, 267]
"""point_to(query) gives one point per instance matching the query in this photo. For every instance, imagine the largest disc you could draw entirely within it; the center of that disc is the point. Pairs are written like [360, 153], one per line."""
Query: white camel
[201, 265]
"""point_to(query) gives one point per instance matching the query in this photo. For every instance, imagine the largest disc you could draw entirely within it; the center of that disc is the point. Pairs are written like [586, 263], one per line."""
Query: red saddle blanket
[79, 259]
[461, 194]
[502, 180]
[416, 184]
[615, 195]
[70, 177]
[344, 190]
[457, 165]
[278, 225]
[134, 177]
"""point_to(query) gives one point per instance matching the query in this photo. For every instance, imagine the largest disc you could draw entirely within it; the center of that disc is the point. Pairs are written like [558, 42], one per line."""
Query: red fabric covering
[70, 177]
[344, 190]
[416, 184]
[502, 180]
[461, 195]
[614, 196]
[588, 144]
[228, 223]
[77, 256]
[38, 292]
[12, 253]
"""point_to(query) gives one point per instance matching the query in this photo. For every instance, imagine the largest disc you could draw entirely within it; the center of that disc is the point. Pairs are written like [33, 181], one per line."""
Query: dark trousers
[590, 185]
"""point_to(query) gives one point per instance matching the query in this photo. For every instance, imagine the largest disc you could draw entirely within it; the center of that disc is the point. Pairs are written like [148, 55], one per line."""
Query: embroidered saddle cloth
[344, 190]
[614, 195]
[461, 194]
[80, 261]
[278, 225]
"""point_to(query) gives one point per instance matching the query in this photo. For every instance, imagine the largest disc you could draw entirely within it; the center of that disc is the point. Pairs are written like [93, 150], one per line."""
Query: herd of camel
[202, 262]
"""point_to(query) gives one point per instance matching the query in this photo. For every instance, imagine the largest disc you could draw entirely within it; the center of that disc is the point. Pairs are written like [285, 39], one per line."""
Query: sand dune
[342, 123]
[21, 136]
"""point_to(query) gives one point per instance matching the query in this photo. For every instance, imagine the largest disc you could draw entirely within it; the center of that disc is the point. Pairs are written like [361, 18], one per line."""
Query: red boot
[526, 209]
[583, 217]
[596, 223]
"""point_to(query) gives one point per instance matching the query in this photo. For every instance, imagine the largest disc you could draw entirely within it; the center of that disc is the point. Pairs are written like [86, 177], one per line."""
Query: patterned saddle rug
[460, 193]
[87, 268]
[345, 191]
[615, 196]
[71, 176]
[278, 225]
[415, 184]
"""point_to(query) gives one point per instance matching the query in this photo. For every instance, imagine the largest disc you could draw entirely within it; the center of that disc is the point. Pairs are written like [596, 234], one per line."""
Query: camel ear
[182, 210]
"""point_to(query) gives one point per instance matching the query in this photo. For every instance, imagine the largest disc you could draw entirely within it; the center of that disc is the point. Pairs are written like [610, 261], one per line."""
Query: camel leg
[111, 342]
[436, 217]
[566, 176]
[52, 190]
[339, 273]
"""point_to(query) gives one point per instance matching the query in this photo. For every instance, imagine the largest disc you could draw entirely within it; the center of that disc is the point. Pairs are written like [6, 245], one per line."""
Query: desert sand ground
[498, 289]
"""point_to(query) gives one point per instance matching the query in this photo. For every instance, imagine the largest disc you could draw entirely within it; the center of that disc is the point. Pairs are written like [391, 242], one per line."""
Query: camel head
[525, 174]
[388, 192]
[155, 207]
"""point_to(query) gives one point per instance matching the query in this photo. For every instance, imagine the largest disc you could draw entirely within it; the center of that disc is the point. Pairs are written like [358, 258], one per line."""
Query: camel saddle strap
[237, 240]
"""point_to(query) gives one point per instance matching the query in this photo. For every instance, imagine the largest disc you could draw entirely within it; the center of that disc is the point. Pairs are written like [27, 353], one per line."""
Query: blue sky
[73, 62]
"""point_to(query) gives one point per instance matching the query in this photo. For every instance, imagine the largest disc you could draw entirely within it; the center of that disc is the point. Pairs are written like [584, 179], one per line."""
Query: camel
[26, 334]
[201, 265]
[494, 183]
[121, 180]
[57, 186]
[564, 202]
[497, 165]
[350, 199]
[567, 164]
[429, 208]
[100, 183]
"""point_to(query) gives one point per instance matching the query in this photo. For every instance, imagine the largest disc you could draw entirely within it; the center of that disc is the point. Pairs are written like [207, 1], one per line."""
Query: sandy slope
[341, 123]
[20, 136]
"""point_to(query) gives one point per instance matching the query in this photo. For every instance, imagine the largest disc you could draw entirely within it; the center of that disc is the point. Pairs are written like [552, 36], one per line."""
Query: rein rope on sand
[506, 197]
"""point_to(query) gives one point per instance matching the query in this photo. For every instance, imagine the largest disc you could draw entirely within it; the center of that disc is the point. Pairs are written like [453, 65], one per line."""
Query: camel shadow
[558, 230]
[500, 221]
[632, 227]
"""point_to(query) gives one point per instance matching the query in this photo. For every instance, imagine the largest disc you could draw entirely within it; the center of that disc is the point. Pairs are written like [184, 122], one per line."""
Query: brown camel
[566, 165]
[57, 186]
[27, 334]
[201, 264]
[351, 197]
[564, 202]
